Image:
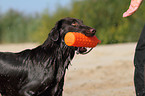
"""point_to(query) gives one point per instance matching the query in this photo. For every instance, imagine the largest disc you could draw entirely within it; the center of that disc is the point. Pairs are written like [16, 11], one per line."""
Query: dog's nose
[92, 30]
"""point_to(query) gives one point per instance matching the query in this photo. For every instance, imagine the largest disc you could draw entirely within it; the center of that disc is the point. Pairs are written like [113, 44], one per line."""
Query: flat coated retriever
[40, 71]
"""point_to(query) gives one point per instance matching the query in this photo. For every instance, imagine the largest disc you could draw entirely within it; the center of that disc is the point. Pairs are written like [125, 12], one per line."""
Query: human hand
[134, 5]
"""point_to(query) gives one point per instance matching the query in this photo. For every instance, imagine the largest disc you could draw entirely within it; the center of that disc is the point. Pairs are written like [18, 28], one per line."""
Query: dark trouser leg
[139, 62]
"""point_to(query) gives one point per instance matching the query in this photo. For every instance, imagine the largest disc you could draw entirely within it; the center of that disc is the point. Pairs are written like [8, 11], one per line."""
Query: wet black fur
[40, 71]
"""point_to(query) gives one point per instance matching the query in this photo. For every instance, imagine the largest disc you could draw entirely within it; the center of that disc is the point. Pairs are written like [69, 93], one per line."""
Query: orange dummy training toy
[80, 40]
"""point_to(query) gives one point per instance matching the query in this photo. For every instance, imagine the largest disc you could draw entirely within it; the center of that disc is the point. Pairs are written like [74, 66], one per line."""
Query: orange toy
[80, 40]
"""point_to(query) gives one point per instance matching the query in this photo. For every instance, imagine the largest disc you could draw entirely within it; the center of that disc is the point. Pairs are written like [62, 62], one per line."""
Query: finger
[134, 5]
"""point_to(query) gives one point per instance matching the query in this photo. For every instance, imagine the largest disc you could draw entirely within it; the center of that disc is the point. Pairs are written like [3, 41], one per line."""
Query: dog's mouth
[89, 33]
[83, 50]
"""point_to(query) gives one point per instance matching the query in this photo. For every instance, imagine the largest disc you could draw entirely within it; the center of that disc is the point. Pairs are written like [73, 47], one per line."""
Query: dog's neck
[59, 50]
[60, 57]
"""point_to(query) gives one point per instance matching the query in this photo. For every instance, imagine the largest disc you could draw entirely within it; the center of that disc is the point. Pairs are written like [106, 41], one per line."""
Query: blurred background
[103, 72]
[31, 21]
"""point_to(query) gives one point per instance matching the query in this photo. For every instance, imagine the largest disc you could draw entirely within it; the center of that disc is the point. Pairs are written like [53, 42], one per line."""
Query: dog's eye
[75, 24]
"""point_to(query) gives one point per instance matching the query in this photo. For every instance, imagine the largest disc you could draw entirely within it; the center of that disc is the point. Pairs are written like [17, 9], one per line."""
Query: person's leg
[139, 62]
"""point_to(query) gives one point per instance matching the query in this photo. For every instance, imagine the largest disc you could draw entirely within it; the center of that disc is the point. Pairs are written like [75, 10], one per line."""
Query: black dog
[41, 71]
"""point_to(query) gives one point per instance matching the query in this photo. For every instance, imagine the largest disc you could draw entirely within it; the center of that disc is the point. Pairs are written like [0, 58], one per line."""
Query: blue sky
[32, 6]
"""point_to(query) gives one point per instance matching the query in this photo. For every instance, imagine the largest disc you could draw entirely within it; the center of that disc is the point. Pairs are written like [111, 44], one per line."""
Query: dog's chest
[52, 82]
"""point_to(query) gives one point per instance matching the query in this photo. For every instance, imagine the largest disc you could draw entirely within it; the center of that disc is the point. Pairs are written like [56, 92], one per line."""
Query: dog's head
[71, 25]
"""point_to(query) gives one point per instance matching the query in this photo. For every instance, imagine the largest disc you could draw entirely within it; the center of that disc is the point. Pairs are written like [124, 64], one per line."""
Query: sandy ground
[106, 71]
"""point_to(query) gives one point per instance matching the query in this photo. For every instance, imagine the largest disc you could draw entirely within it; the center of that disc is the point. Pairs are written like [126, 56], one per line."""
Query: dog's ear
[55, 32]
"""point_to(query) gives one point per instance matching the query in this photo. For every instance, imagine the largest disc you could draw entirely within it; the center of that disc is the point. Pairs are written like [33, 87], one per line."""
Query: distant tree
[103, 15]
[16, 27]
